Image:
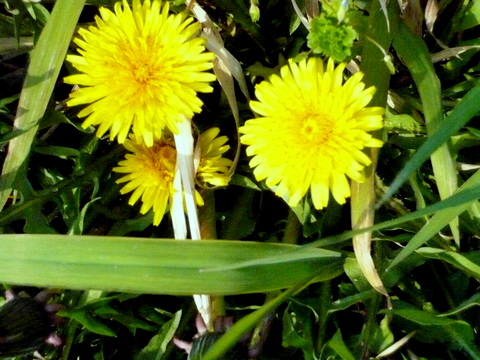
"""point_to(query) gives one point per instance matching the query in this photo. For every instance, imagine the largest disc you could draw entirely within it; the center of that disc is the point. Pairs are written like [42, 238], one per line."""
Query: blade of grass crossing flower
[363, 194]
[184, 145]
[157, 266]
[45, 63]
[420, 66]
[438, 221]
[177, 212]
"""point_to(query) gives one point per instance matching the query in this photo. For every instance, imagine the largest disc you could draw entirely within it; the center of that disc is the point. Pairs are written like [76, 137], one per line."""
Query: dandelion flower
[213, 168]
[150, 171]
[311, 131]
[140, 68]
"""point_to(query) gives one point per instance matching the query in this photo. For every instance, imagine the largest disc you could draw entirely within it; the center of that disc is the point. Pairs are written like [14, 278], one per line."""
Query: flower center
[317, 129]
[142, 73]
[161, 161]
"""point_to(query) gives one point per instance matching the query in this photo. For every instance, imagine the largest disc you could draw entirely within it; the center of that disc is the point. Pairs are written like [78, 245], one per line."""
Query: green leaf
[420, 66]
[243, 181]
[337, 344]
[129, 320]
[460, 261]
[383, 336]
[467, 304]
[296, 330]
[346, 302]
[158, 344]
[247, 323]
[159, 266]
[471, 17]
[440, 219]
[78, 222]
[62, 152]
[89, 322]
[355, 274]
[431, 328]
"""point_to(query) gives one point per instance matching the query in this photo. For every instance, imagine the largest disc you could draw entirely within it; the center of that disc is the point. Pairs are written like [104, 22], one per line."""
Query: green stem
[371, 325]
[208, 230]
[292, 229]
[323, 312]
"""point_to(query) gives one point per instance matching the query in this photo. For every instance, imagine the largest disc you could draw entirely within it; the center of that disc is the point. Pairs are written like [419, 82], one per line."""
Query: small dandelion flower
[213, 168]
[150, 171]
[311, 131]
[141, 69]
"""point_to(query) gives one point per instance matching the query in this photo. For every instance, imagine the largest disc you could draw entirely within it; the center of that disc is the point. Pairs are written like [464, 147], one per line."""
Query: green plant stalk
[293, 229]
[208, 230]
[363, 195]
[324, 305]
[46, 61]
[368, 330]
[421, 68]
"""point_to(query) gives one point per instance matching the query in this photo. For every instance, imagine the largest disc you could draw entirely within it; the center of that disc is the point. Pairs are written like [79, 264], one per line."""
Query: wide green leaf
[159, 266]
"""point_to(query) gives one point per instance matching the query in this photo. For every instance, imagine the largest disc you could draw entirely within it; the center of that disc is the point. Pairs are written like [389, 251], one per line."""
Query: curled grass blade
[363, 195]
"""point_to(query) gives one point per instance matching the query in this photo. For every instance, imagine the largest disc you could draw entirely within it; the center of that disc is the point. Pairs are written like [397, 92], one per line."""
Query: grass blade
[157, 266]
[438, 221]
[46, 61]
[420, 66]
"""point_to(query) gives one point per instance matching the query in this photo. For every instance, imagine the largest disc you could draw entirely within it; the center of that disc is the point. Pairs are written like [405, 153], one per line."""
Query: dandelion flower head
[213, 169]
[140, 68]
[149, 171]
[311, 131]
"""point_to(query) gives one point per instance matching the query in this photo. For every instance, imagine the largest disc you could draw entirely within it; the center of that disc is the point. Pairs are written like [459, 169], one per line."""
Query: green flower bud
[330, 38]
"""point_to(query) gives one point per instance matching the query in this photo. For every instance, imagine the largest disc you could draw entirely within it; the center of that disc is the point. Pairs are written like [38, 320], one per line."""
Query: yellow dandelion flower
[150, 170]
[213, 168]
[141, 68]
[311, 131]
